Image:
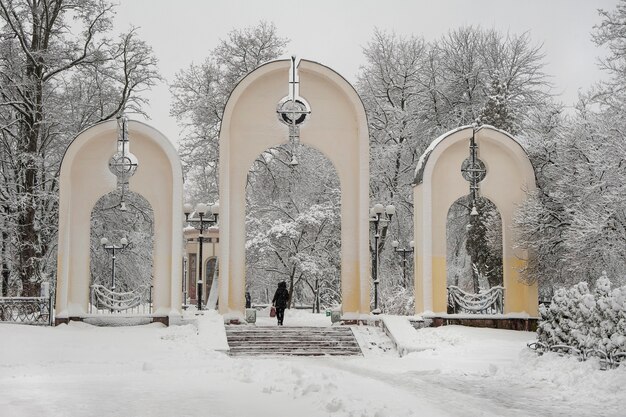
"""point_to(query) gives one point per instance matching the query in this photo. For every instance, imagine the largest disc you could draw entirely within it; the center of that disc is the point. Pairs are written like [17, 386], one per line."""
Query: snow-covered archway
[337, 126]
[439, 183]
[85, 177]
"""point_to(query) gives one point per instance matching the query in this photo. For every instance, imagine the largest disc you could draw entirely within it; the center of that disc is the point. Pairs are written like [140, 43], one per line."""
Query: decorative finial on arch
[473, 170]
[293, 110]
[123, 163]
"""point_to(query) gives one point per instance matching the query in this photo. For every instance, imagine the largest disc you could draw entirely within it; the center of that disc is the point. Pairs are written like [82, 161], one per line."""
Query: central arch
[337, 127]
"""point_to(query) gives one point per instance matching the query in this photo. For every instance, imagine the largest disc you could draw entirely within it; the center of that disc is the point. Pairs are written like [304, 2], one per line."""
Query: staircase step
[293, 346]
[241, 340]
[250, 329]
[286, 337]
[283, 346]
[296, 353]
[299, 351]
[296, 345]
[294, 341]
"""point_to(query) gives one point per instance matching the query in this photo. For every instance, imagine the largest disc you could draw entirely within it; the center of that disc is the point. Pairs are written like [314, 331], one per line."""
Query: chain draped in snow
[118, 301]
[491, 301]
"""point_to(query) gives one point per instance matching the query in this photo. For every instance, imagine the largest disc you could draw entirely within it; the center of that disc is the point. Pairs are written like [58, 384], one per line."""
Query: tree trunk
[291, 281]
[26, 222]
[5, 265]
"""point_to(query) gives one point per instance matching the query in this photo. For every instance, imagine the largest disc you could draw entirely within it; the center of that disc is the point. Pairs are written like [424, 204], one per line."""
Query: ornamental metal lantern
[293, 110]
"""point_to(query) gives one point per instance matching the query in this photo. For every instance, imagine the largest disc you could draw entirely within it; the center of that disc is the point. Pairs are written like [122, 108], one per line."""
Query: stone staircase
[296, 341]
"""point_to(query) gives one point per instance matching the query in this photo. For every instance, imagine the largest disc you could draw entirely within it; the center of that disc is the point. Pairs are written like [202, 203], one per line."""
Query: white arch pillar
[337, 127]
[439, 183]
[84, 178]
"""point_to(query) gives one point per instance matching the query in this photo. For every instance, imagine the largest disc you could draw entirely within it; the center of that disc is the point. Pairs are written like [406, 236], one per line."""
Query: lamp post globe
[201, 209]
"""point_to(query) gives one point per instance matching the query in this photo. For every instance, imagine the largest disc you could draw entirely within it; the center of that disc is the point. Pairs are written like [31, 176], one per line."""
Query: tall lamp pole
[200, 223]
[379, 214]
[112, 248]
[184, 289]
[403, 252]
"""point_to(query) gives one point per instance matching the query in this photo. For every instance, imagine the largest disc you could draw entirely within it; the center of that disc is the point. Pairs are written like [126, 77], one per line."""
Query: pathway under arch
[306, 199]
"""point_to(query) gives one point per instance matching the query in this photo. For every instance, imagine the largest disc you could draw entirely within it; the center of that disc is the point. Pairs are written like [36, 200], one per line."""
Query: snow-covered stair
[302, 341]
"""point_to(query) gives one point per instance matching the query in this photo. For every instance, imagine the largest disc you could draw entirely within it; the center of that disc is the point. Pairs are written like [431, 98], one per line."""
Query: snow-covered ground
[152, 370]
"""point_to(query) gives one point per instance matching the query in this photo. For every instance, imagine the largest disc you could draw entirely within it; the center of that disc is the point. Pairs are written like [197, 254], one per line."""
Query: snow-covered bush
[586, 320]
[397, 300]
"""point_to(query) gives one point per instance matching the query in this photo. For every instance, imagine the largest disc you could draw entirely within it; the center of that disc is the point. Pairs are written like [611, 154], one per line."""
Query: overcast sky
[333, 32]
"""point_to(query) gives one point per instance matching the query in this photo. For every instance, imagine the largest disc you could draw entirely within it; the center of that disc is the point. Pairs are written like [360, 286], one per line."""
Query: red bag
[273, 312]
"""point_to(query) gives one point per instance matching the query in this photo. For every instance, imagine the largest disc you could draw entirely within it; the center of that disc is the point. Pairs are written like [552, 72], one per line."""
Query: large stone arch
[337, 127]
[439, 182]
[84, 178]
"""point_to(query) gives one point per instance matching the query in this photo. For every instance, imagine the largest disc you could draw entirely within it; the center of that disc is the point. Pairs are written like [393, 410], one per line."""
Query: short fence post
[93, 300]
[50, 318]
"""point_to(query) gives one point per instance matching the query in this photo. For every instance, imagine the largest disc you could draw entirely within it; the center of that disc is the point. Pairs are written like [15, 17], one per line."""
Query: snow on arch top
[418, 177]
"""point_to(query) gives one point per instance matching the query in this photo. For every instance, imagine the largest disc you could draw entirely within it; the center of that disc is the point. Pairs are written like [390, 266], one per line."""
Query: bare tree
[136, 224]
[293, 225]
[394, 86]
[414, 91]
[59, 72]
[611, 34]
[200, 93]
[575, 223]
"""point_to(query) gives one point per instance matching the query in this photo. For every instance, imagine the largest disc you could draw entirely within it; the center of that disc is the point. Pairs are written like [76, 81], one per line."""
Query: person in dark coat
[280, 301]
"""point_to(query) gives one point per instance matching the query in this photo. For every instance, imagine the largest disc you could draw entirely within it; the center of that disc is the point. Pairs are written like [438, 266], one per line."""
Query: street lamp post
[112, 248]
[199, 223]
[379, 214]
[184, 289]
[403, 252]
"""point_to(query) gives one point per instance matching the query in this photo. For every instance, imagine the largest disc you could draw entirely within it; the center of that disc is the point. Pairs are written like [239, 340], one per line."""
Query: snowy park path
[81, 370]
